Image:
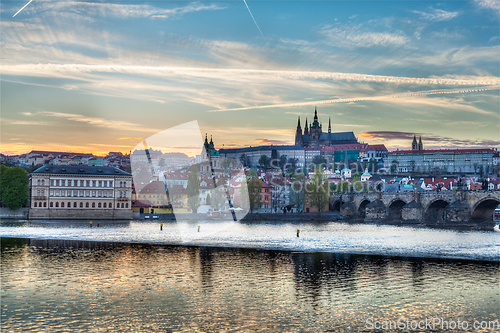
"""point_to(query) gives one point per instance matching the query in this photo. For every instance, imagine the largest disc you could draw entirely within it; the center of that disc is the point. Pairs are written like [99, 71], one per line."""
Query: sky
[94, 77]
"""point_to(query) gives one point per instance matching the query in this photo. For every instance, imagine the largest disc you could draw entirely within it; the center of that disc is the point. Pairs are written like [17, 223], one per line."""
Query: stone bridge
[446, 208]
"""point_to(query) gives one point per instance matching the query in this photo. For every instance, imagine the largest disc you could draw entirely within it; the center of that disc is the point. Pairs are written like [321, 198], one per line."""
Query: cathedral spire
[315, 115]
[414, 144]
[306, 129]
[329, 125]
[298, 124]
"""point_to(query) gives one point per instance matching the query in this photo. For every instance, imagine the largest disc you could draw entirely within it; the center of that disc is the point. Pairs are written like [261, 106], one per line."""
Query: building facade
[80, 192]
[249, 156]
[452, 160]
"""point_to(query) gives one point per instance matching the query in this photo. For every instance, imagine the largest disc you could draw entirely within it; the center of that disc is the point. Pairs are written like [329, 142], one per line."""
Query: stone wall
[6, 213]
[80, 214]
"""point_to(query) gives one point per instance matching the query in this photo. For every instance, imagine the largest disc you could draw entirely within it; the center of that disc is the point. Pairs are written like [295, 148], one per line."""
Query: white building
[80, 192]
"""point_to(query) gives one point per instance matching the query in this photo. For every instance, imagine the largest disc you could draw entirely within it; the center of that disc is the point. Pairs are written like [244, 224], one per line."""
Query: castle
[314, 136]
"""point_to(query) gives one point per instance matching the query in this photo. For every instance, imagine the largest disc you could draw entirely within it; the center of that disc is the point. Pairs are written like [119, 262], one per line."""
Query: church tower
[315, 131]
[306, 129]
[414, 144]
[298, 135]
[420, 145]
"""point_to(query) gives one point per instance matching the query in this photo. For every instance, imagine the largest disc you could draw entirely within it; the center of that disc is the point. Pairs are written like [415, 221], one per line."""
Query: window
[117, 205]
[57, 204]
[99, 194]
[51, 182]
[93, 205]
[81, 204]
[99, 205]
[87, 205]
[38, 183]
[38, 192]
[43, 182]
[74, 182]
[88, 183]
[74, 204]
[94, 183]
[93, 193]
[87, 193]
[126, 205]
[105, 193]
[100, 183]
[122, 204]
[44, 204]
[43, 192]
[51, 204]
[34, 205]
[104, 205]
[110, 183]
[57, 182]
[105, 183]
[62, 204]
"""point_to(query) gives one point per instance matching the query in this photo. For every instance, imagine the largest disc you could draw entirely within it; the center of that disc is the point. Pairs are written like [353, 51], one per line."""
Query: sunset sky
[103, 76]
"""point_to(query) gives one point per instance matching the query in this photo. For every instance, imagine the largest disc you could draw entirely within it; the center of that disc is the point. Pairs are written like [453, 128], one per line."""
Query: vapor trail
[29, 3]
[361, 99]
[250, 15]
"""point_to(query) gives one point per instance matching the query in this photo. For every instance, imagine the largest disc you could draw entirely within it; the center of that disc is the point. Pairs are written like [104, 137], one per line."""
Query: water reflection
[56, 285]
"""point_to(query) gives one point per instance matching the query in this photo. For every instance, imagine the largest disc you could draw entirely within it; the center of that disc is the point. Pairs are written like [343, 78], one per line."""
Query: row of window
[80, 182]
[75, 193]
[76, 205]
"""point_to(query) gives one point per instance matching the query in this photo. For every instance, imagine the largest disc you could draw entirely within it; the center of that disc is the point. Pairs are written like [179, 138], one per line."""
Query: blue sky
[102, 76]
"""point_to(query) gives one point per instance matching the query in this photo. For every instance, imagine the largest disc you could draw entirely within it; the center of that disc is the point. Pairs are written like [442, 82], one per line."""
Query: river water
[58, 277]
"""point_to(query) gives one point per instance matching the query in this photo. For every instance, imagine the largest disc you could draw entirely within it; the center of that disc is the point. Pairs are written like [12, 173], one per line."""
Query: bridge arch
[483, 209]
[395, 209]
[362, 208]
[435, 210]
[334, 205]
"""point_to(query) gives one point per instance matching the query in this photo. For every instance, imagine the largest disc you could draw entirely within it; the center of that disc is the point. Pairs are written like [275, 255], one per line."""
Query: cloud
[24, 122]
[124, 11]
[429, 140]
[130, 139]
[489, 4]
[99, 122]
[357, 36]
[265, 142]
[436, 15]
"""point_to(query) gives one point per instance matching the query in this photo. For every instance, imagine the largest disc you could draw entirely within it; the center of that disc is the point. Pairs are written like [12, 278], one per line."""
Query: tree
[319, 160]
[14, 188]
[318, 190]
[372, 164]
[161, 163]
[282, 161]
[264, 161]
[252, 173]
[219, 198]
[356, 177]
[193, 189]
[254, 190]
[296, 191]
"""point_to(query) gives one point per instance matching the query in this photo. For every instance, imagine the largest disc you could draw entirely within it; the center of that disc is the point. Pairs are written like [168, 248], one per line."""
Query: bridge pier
[413, 212]
[453, 209]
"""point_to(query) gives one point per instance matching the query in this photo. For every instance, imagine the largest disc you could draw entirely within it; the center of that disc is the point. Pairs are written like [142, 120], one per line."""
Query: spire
[315, 114]
[306, 129]
[414, 145]
[329, 125]
[298, 124]
[420, 145]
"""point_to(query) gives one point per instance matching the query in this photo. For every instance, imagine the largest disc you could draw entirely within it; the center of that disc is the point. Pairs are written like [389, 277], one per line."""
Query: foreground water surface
[315, 237]
[87, 286]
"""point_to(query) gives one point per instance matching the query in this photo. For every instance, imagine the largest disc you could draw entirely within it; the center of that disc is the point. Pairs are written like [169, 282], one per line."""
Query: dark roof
[257, 148]
[80, 170]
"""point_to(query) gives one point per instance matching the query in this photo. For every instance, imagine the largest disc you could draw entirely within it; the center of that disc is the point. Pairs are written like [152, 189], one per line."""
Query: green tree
[218, 199]
[319, 160]
[161, 162]
[296, 191]
[356, 177]
[254, 190]
[193, 189]
[264, 161]
[372, 165]
[252, 173]
[14, 188]
[318, 190]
